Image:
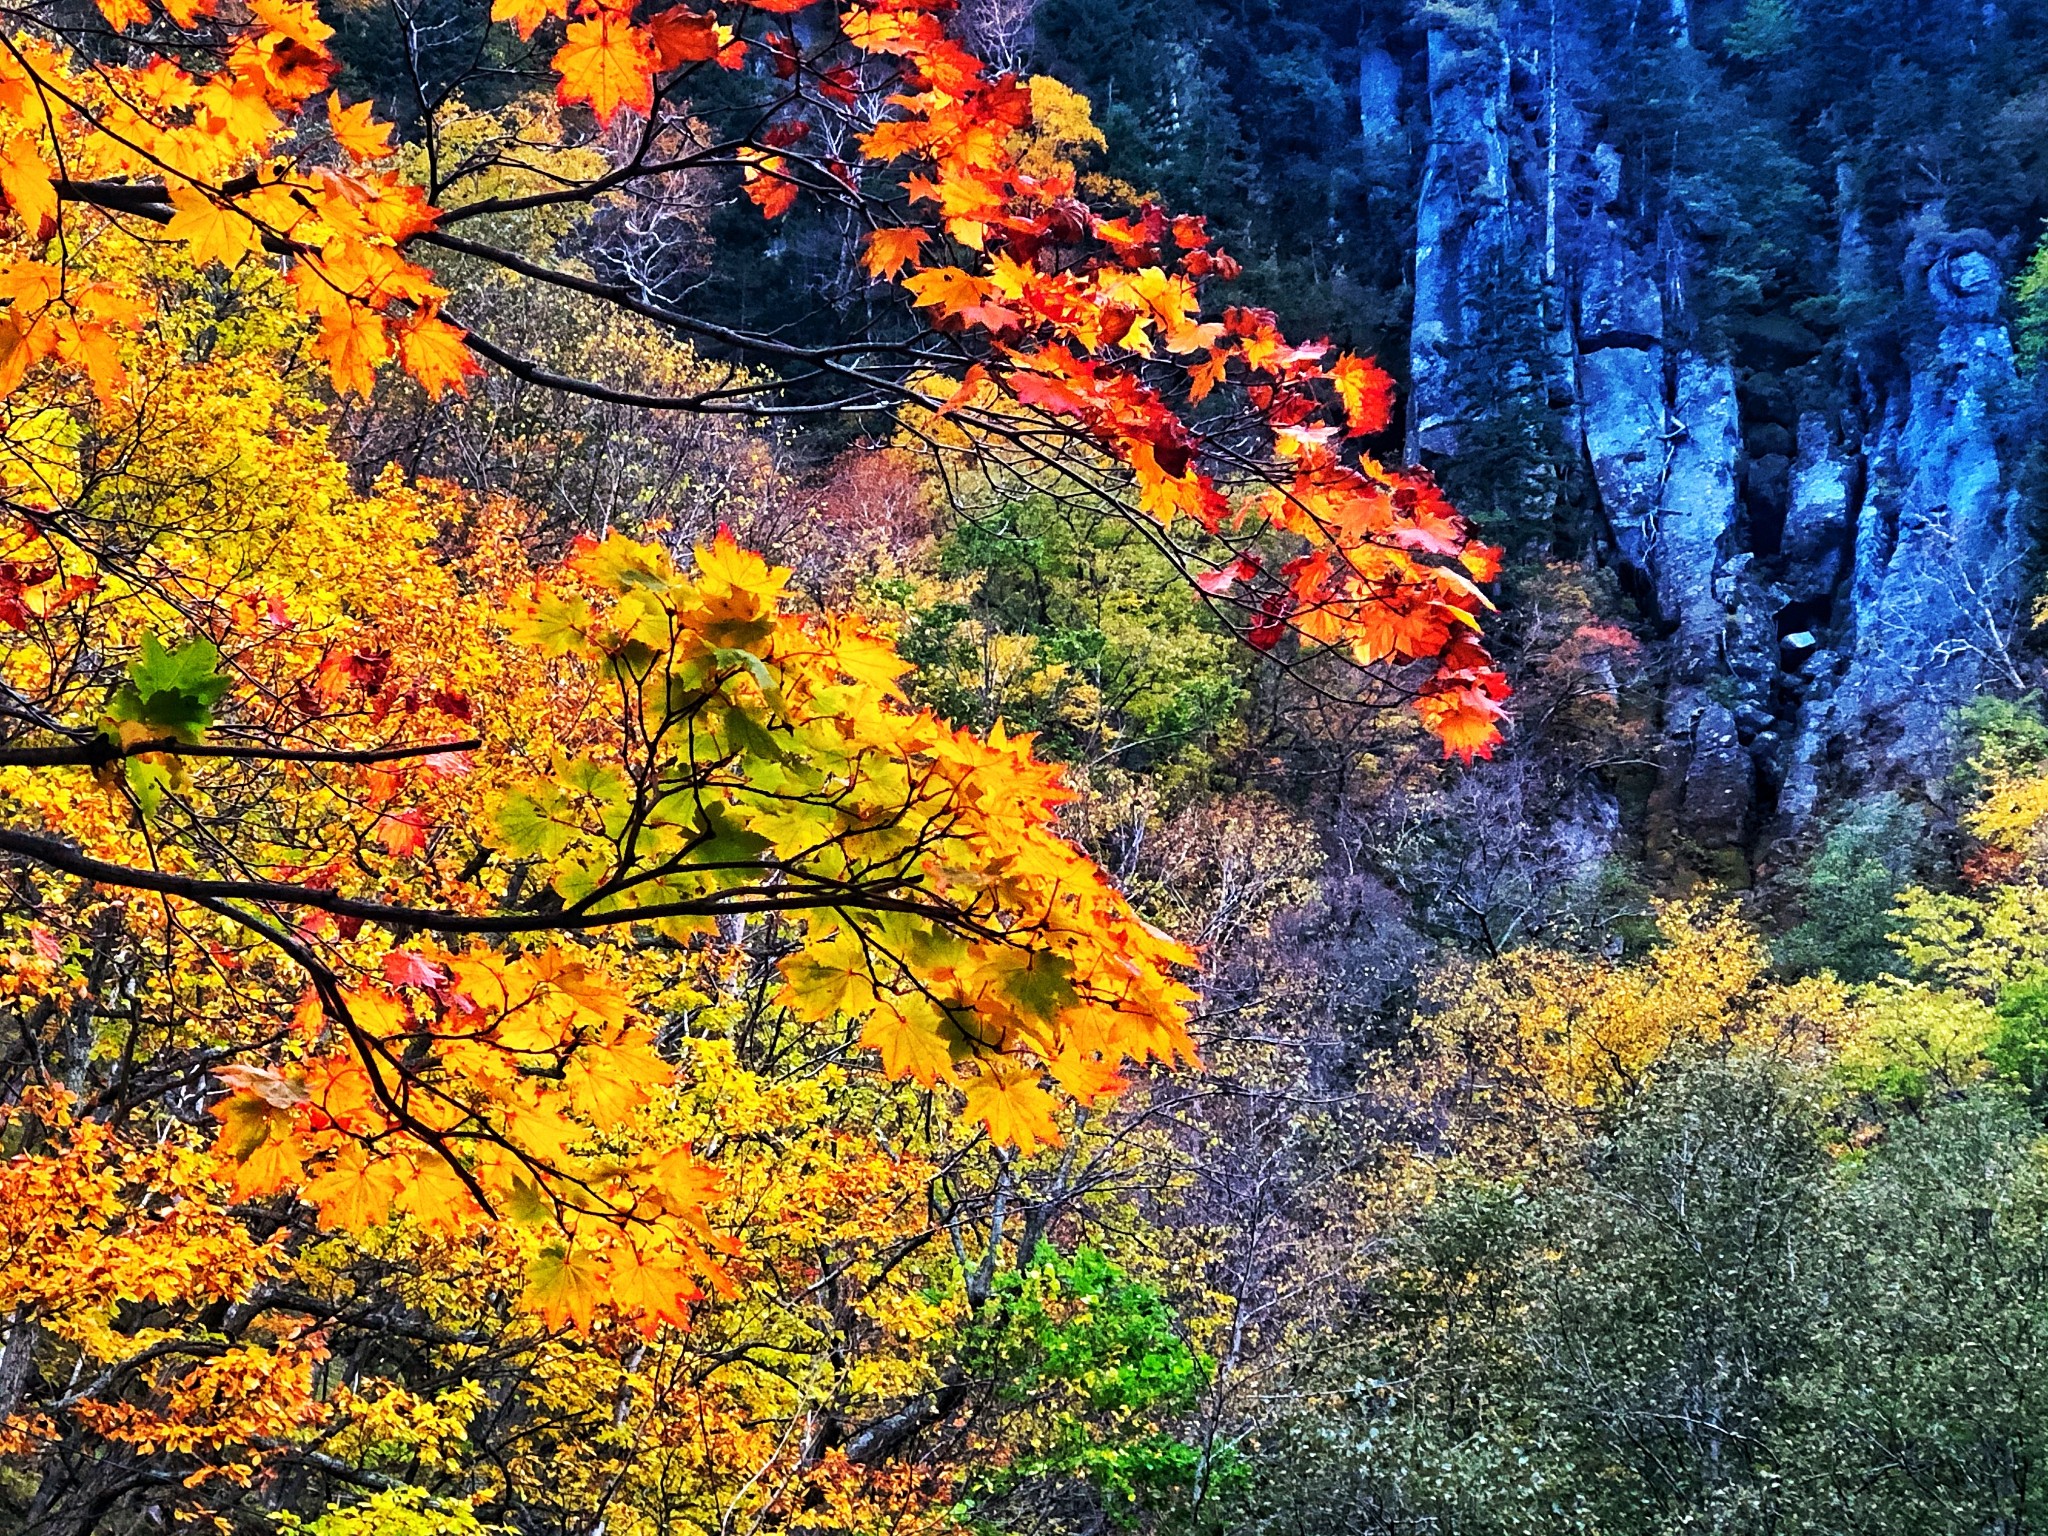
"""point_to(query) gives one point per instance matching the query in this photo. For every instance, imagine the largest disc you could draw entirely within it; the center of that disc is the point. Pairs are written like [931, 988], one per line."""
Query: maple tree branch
[546, 378]
[200, 1348]
[369, 1050]
[628, 298]
[100, 751]
[814, 894]
[149, 200]
[589, 191]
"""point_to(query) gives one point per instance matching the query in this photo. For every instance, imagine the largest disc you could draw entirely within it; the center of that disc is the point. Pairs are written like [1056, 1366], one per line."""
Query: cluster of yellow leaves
[836, 1301]
[1544, 1035]
[985, 937]
[1977, 940]
[184, 1252]
[246, 519]
[659, 748]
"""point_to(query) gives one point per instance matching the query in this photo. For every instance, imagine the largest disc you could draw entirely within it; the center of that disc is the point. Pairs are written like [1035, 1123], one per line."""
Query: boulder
[1718, 774]
[1817, 512]
[1621, 394]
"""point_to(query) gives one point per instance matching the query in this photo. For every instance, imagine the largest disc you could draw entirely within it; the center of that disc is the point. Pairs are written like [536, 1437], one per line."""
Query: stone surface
[1621, 393]
[1463, 229]
[1696, 509]
[1817, 512]
[1940, 549]
[1836, 555]
[1719, 776]
[1619, 305]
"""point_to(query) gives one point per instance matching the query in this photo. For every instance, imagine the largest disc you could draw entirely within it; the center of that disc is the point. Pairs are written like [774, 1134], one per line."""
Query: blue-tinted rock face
[1834, 574]
[1815, 541]
[1939, 556]
[1465, 229]
[1696, 511]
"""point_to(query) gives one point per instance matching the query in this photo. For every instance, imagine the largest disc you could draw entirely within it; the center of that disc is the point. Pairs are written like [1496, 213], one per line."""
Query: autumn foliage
[593, 940]
[1070, 323]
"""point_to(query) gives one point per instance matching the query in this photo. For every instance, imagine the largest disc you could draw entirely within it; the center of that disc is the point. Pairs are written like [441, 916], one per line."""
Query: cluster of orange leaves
[1070, 305]
[453, 1084]
[517, 1066]
[181, 1250]
[212, 142]
[1071, 302]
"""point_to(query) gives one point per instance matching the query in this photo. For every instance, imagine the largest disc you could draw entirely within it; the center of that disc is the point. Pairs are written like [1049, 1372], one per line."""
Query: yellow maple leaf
[866, 657]
[356, 1192]
[909, 1043]
[1007, 1099]
[25, 182]
[889, 251]
[608, 1082]
[946, 288]
[564, 1286]
[723, 566]
[211, 232]
[835, 976]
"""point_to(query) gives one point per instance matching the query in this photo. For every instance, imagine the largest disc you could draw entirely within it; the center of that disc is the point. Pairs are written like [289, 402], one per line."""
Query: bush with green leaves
[2019, 1049]
[1078, 628]
[1848, 888]
[1098, 1363]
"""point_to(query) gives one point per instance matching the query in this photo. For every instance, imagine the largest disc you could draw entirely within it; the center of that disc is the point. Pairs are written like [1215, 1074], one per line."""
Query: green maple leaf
[171, 690]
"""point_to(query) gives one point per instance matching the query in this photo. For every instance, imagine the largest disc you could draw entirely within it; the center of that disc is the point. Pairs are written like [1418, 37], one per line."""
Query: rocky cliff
[1829, 538]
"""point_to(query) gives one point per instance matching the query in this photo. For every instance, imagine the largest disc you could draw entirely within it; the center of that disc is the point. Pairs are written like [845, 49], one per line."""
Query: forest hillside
[1023, 767]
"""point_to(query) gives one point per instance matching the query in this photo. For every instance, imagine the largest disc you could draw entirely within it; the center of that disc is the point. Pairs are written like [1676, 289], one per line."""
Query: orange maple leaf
[773, 193]
[404, 835]
[434, 353]
[606, 61]
[353, 341]
[1367, 391]
[1464, 719]
[680, 35]
[121, 14]
[356, 131]
[649, 1292]
[889, 251]
[527, 15]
